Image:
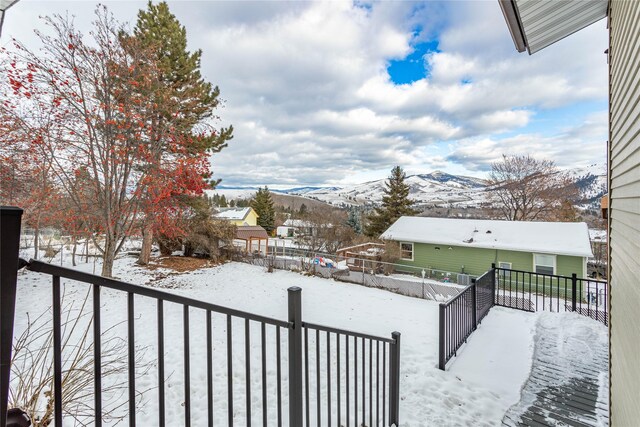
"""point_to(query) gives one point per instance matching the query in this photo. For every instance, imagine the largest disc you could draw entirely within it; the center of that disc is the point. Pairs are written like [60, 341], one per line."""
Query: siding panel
[476, 261]
[624, 154]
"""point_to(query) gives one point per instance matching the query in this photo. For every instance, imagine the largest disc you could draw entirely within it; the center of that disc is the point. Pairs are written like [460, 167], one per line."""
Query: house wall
[478, 260]
[251, 219]
[624, 209]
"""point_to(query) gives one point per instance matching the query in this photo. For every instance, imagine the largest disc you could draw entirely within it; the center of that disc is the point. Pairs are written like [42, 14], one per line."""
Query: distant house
[295, 227]
[470, 246]
[238, 216]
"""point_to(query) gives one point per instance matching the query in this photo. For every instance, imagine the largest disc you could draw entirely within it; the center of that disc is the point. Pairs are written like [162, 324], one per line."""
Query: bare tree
[32, 369]
[526, 189]
[325, 230]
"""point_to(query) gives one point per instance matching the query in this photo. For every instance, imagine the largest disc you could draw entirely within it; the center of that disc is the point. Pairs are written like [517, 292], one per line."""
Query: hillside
[435, 189]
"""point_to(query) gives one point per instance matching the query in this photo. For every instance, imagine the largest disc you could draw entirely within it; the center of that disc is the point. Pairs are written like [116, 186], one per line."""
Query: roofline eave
[513, 22]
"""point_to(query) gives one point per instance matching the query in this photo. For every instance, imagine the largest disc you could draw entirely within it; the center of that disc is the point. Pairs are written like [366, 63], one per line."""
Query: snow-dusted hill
[435, 188]
[430, 189]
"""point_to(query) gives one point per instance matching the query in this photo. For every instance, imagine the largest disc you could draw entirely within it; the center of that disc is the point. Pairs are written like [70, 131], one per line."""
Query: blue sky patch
[548, 122]
[412, 68]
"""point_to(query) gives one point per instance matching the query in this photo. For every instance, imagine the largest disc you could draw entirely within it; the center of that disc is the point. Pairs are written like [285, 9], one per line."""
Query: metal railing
[530, 291]
[297, 381]
[461, 315]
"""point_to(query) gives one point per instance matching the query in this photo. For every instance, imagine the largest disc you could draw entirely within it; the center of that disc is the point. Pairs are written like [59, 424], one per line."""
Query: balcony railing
[361, 360]
[461, 315]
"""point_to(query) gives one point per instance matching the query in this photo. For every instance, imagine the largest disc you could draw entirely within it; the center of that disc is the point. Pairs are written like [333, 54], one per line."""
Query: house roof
[536, 24]
[561, 238]
[246, 232]
[233, 213]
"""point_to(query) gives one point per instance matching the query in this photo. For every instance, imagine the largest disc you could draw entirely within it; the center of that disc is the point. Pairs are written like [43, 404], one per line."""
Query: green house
[470, 246]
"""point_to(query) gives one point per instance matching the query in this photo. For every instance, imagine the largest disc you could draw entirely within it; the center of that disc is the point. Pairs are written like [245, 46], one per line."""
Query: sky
[338, 92]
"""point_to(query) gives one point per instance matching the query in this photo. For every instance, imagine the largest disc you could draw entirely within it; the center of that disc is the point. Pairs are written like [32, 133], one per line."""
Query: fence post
[474, 305]
[493, 283]
[295, 356]
[442, 358]
[394, 380]
[574, 291]
[10, 218]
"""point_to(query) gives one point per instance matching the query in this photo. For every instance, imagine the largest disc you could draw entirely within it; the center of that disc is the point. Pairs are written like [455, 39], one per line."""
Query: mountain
[440, 189]
[435, 189]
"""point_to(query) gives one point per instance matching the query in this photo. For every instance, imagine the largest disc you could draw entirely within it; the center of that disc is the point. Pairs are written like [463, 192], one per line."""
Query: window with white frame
[506, 266]
[406, 251]
[544, 263]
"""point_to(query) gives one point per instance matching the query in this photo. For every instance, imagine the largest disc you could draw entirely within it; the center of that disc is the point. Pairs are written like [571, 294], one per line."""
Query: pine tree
[182, 101]
[223, 202]
[262, 203]
[395, 203]
[353, 220]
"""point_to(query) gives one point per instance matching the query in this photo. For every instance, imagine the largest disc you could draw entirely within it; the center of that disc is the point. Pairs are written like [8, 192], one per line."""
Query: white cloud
[305, 85]
[572, 147]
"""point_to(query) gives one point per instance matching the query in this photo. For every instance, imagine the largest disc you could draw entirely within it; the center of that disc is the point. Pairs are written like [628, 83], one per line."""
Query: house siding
[478, 260]
[624, 209]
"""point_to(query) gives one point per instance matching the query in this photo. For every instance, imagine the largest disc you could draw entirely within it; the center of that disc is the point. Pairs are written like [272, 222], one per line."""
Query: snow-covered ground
[477, 389]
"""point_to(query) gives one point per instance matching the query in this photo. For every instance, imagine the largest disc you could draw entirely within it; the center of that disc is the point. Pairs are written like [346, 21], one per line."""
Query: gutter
[513, 22]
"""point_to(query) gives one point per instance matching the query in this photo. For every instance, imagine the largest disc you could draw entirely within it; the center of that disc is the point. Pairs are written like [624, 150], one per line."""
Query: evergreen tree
[223, 202]
[353, 220]
[262, 203]
[303, 209]
[395, 203]
[182, 101]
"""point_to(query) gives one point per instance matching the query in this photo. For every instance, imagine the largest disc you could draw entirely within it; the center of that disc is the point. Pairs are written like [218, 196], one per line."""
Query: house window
[544, 264]
[406, 251]
[505, 266]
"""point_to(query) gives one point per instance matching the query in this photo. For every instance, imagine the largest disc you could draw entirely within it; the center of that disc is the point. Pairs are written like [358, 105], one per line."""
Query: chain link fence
[405, 280]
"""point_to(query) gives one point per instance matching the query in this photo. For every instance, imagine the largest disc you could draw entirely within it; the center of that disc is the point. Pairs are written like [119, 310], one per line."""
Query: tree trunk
[36, 240]
[108, 257]
[147, 240]
[73, 252]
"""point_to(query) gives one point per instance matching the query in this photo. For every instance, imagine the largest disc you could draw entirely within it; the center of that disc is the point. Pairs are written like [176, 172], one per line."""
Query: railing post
[295, 356]
[493, 283]
[394, 380]
[442, 359]
[10, 218]
[574, 291]
[474, 305]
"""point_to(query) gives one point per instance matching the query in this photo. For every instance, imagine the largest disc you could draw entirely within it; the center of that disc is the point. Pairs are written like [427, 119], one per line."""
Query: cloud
[573, 147]
[305, 85]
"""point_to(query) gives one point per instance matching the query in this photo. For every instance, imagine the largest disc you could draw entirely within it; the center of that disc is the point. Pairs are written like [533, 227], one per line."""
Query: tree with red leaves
[183, 104]
[80, 103]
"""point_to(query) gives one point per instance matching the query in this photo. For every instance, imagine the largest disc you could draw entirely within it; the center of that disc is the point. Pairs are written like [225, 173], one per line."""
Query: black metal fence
[460, 316]
[530, 291]
[340, 348]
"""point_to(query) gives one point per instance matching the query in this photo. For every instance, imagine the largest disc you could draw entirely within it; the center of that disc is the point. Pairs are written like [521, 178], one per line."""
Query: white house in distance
[471, 245]
[293, 227]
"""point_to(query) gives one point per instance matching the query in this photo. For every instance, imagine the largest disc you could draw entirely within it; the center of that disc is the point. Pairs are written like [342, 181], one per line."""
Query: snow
[233, 213]
[597, 235]
[479, 387]
[575, 348]
[484, 362]
[561, 238]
